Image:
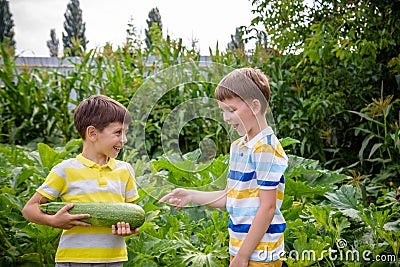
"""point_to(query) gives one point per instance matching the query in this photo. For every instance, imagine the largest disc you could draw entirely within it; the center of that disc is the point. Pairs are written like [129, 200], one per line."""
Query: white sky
[208, 21]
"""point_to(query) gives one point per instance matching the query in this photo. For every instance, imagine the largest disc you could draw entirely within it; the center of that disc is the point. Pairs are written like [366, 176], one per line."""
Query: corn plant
[381, 131]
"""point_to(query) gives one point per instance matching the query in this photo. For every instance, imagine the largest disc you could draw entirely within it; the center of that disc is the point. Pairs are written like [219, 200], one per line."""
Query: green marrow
[103, 214]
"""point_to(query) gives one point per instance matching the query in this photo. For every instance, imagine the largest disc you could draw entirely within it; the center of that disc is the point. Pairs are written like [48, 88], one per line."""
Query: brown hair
[246, 83]
[99, 111]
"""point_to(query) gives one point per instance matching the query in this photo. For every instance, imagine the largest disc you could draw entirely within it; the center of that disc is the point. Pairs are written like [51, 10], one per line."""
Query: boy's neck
[100, 159]
[261, 124]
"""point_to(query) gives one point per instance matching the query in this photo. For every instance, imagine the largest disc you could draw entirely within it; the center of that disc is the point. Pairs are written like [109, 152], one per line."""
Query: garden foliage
[335, 85]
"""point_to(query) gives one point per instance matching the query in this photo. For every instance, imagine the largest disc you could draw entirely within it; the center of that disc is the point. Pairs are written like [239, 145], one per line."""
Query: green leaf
[365, 116]
[309, 171]
[392, 238]
[344, 199]
[329, 178]
[47, 155]
[299, 189]
[364, 145]
[374, 148]
[321, 215]
[73, 144]
[287, 141]
[377, 219]
[307, 250]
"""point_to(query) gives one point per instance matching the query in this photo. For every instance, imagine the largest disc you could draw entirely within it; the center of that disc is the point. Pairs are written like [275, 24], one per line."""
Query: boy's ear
[256, 106]
[91, 133]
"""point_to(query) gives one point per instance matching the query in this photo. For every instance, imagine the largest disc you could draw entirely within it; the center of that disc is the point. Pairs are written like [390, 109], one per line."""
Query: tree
[236, 40]
[6, 25]
[346, 50]
[74, 39]
[153, 20]
[133, 39]
[53, 44]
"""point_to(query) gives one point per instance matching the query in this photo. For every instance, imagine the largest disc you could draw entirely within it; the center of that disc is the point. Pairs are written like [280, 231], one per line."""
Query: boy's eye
[227, 110]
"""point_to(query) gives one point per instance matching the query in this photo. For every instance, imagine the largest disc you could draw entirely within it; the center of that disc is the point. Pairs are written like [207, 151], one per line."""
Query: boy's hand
[178, 198]
[123, 229]
[239, 262]
[62, 219]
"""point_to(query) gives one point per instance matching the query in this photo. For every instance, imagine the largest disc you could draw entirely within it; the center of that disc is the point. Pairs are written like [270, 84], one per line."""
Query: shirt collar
[258, 137]
[87, 162]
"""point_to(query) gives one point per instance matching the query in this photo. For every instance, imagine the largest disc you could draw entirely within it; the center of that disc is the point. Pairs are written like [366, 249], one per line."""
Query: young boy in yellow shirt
[93, 176]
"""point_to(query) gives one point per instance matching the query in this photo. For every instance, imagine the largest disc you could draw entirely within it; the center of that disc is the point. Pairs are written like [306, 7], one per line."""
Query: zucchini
[103, 214]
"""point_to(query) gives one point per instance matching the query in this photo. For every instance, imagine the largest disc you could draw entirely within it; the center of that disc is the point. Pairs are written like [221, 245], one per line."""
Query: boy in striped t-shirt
[93, 176]
[255, 186]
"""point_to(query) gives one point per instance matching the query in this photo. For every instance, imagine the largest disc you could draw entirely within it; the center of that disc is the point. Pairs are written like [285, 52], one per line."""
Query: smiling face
[246, 117]
[99, 146]
[240, 116]
[111, 140]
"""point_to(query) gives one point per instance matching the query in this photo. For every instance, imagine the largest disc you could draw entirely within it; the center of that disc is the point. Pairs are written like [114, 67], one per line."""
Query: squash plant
[319, 208]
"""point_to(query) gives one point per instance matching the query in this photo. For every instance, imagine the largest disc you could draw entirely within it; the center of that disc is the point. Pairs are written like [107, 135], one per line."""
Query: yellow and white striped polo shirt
[82, 180]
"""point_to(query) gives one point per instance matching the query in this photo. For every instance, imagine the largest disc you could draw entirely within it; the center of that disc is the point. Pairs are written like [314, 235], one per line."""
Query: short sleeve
[131, 193]
[55, 183]
[270, 162]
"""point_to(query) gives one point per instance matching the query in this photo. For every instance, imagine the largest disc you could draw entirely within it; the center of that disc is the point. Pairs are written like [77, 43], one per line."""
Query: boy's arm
[180, 197]
[62, 219]
[260, 224]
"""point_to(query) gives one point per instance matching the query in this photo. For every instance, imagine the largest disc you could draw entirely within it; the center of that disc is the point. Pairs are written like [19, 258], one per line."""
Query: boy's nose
[124, 139]
[226, 116]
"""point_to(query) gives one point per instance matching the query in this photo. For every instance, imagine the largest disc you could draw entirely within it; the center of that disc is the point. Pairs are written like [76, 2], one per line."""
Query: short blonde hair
[246, 83]
[99, 111]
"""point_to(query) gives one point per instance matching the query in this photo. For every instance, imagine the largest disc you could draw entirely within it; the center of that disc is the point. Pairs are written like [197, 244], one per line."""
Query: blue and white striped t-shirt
[256, 165]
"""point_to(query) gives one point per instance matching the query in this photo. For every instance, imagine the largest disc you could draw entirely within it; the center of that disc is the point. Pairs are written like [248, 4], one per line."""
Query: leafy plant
[381, 131]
